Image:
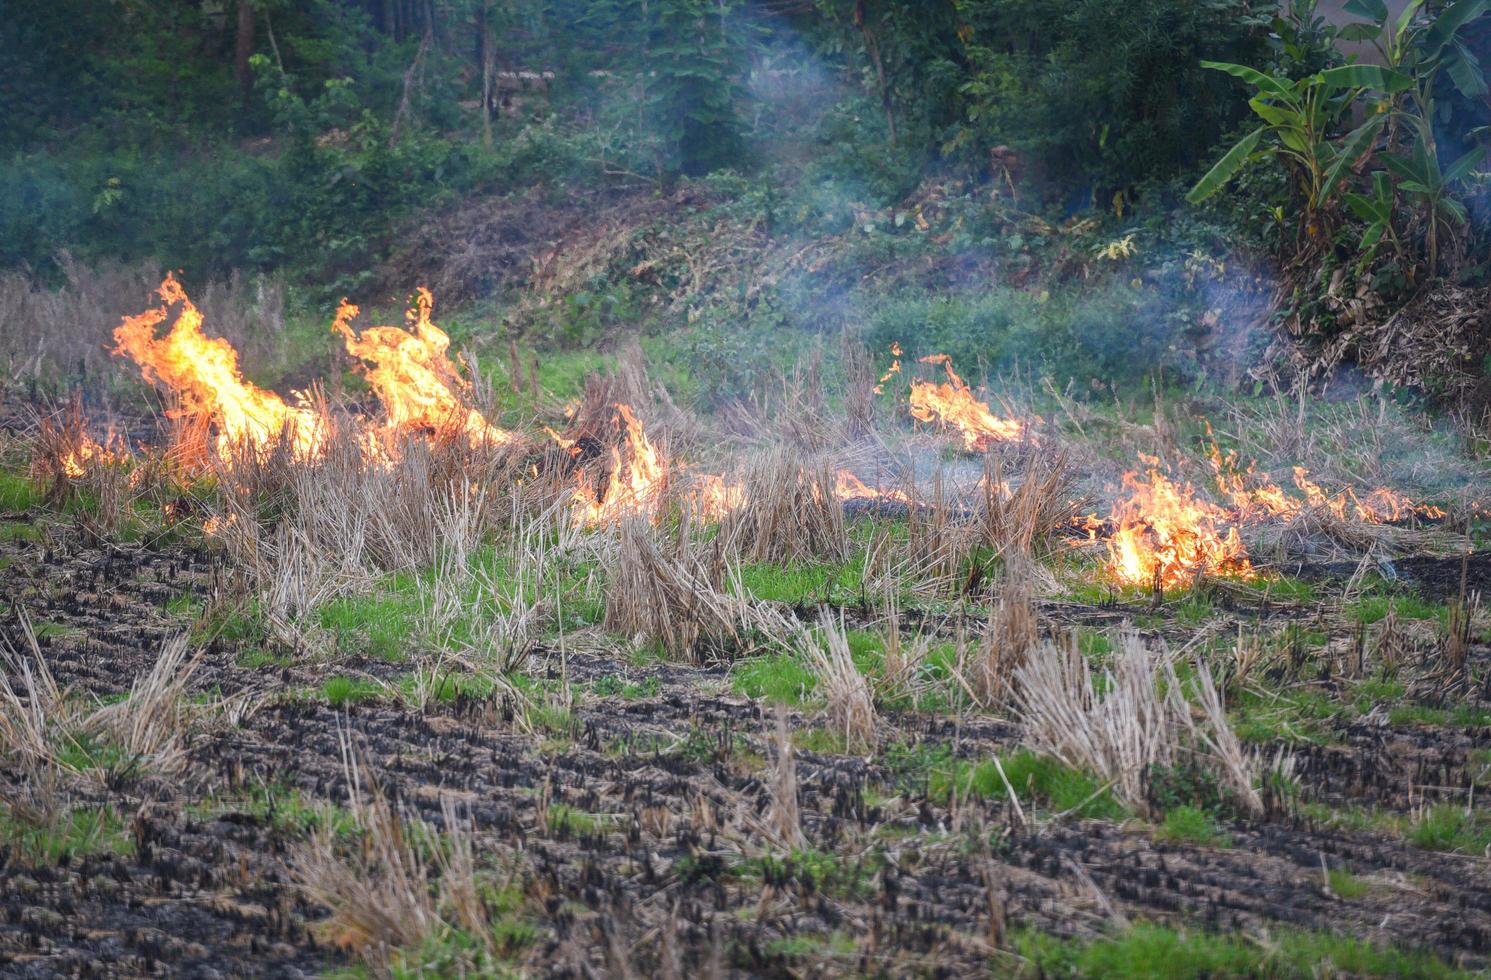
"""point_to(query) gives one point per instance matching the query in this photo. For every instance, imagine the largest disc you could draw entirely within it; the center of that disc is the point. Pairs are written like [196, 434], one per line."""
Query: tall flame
[1167, 536]
[203, 373]
[951, 404]
[413, 378]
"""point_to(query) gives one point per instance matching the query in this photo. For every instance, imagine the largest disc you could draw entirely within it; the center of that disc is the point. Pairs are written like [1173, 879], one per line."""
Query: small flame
[713, 497]
[90, 452]
[1257, 497]
[951, 404]
[849, 487]
[1167, 536]
[203, 373]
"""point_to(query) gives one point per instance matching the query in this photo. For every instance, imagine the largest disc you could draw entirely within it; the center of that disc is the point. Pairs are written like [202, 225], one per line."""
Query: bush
[1102, 96]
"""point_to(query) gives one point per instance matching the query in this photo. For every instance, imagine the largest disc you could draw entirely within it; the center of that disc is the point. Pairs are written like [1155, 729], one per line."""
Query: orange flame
[1257, 497]
[90, 452]
[203, 373]
[1166, 536]
[413, 378]
[636, 481]
[951, 404]
[848, 487]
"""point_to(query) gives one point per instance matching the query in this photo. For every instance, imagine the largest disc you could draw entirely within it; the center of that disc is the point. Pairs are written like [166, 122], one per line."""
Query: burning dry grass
[951, 405]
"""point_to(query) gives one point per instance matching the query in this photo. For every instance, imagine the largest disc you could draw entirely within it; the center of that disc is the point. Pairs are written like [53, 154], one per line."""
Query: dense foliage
[308, 138]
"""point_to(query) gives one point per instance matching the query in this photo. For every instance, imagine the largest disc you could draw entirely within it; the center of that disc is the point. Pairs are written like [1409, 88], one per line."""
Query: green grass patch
[1374, 608]
[1147, 951]
[777, 677]
[380, 624]
[90, 830]
[1192, 825]
[1460, 716]
[1036, 779]
[341, 691]
[18, 492]
[1346, 885]
[802, 584]
[565, 820]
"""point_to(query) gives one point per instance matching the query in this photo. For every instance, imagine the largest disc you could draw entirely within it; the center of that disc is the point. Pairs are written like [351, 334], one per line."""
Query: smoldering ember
[745, 488]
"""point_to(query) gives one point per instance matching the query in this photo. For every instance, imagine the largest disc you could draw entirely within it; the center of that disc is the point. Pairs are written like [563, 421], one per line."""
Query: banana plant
[1420, 48]
[1376, 211]
[1300, 119]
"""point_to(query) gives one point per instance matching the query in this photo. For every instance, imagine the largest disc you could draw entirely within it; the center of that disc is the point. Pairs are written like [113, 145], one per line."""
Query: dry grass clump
[1006, 644]
[403, 883]
[859, 387]
[305, 531]
[1023, 518]
[152, 723]
[784, 819]
[380, 896]
[1132, 716]
[790, 511]
[670, 592]
[901, 678]
[41, 724]
[941, 539]
[849, 703]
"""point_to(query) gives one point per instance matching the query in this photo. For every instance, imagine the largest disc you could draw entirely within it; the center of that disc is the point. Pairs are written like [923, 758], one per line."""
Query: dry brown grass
[403, 882]
[1130, 717]
[790, 511]
[1006, 644]
[901, 678]
[1022, 518]
[941, 538]
[859, 387]
[668, 590]
[153, 723]
[846, 693]
[1116, 724]
[380, 896]
[784, 820]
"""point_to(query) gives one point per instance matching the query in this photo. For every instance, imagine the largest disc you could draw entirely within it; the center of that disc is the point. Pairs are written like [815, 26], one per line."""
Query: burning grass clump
[790, 511]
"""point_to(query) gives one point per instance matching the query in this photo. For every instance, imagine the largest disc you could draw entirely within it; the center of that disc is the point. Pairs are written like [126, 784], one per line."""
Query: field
[882, 675]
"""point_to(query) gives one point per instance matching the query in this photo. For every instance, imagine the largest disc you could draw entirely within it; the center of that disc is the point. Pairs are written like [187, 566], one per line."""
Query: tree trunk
[243, 47]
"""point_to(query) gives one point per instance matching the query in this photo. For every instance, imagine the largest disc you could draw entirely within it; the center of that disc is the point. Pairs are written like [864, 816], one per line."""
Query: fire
[1166, 536]
[1257, 497]
[90, 452]
[849, 487]
[203, 373]
[636, 482]
[713, 497]
[413, 378]
[951, 404]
